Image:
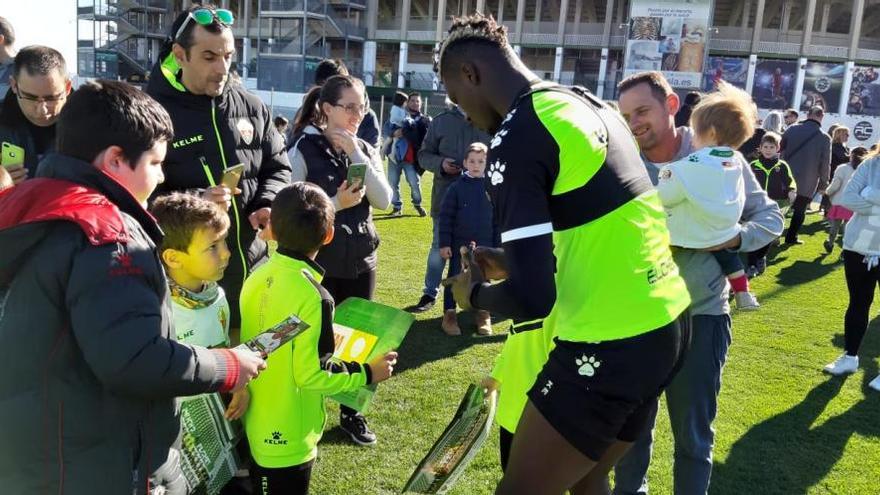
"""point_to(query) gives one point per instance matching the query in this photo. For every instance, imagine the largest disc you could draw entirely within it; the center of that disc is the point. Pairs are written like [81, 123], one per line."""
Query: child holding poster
[286, 417]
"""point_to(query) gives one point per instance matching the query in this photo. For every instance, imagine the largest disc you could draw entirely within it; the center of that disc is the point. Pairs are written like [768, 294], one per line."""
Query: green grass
[782, 428]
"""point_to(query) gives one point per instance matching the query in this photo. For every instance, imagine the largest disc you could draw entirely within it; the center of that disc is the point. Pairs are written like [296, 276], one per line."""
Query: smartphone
[356, 173]
[12, 155]
[232, 176]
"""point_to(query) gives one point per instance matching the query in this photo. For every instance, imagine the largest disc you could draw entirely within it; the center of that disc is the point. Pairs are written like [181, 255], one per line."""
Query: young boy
[775, 177]
[195, 255]
[465, 217]
[85, 335]
[286, 416]
[704, 194]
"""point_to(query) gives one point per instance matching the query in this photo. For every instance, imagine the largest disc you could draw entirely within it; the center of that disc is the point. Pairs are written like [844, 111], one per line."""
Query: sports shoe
[424, 304]
[829, 246]
[746, 301]
[356, 427]
[421, 211]
[875, 383]
[484, 323]
[450, 323]
[397, 212]
[844, 365]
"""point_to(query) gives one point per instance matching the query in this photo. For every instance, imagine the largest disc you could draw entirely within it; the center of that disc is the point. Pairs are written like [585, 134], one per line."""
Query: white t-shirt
[205, 325]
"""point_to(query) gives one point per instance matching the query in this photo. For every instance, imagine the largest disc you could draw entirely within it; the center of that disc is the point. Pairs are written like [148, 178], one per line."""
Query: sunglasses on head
[204, 17]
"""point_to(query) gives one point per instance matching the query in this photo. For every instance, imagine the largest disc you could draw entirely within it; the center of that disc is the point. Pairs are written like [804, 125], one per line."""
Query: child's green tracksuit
[286, 416]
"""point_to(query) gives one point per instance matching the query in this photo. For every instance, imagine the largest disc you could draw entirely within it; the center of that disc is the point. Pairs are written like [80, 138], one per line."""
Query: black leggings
[798, 214]
[860, 282]
[505, 440]
[341, 289]
[293, 480]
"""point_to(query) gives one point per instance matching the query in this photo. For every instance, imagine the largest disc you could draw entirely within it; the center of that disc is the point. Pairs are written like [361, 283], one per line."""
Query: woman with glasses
[324, 149]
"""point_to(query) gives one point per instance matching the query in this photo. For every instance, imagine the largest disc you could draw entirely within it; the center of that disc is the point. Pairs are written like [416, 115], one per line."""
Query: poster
[864, 94]
[774, 83]
[732, 70]
[823, 83]
[207, 452]
[670, 36]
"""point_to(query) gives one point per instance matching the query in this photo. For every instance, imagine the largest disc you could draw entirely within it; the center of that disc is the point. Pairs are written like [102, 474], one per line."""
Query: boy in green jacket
[286, 416]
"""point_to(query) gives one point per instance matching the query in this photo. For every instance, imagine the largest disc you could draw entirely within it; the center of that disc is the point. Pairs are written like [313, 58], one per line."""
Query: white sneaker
[746, 301]
[845, 365]
[875, 383]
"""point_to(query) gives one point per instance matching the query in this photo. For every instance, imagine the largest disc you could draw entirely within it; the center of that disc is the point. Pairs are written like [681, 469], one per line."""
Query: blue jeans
[692, 401]
[436, 264]
[412, 177]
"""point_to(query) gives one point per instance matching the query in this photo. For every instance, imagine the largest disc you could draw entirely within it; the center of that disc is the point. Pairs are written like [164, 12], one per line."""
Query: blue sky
[44, 22]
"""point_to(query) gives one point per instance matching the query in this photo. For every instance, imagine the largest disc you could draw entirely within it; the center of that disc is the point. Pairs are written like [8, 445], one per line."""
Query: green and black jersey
[565, 166]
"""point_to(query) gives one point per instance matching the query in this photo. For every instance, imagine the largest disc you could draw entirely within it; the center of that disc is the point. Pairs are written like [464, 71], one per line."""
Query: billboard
[823, 84]
[774, 83]
[864, 94]
[732, 70]
[670, 36]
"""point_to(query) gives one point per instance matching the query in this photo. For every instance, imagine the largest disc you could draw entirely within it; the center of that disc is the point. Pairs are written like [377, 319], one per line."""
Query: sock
[739, 284]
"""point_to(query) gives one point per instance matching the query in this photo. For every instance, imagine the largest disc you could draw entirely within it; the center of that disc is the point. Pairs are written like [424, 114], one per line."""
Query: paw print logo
[496, 141]
[276, 435]
[587, 365]
[496, 172]
[508, 117]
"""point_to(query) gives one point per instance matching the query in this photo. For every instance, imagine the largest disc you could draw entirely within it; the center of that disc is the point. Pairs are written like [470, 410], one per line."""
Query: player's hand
[349, 196]
[449, 167]
[383, 366]
[250, 364]
[733, 243]
[238, 405]
[463, 284]
[492, 262]
[260, 218]
[446, 252]
[220, 195]
[490, 384]
[18, 173]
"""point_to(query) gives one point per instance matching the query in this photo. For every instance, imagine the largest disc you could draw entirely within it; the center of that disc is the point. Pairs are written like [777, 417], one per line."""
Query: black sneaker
[421, 211]
[396, 212]
[424, 304]
[356, 427]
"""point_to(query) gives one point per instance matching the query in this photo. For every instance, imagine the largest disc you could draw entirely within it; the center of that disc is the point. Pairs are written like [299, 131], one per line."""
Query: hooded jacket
[90, 365]
[211, 134]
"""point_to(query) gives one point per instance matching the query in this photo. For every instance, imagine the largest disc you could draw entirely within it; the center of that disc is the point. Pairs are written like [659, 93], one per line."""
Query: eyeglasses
[354, 109]
[204, 17]
[49, 100]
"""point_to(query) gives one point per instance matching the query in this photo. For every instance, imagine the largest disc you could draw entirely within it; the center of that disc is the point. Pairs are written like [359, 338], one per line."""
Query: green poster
[363, 330]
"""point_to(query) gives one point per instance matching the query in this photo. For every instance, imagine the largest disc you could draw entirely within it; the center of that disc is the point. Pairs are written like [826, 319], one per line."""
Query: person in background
[773, 122]
[775, 178]
[839, 155]
[325, 146]
[31, 108]
[683, 117]
[7, 54]
[368, 130]
[791, 117]
[281, 124]
[402, 156]
[838, 214]
[861, 262]
[808, 150]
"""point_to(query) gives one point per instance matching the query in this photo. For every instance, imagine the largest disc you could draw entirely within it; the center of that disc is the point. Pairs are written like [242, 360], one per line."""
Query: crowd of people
[145, 234]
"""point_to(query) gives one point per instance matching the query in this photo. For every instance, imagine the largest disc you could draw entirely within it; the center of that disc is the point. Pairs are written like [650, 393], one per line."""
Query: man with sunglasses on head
[218, 124]
[38, 90]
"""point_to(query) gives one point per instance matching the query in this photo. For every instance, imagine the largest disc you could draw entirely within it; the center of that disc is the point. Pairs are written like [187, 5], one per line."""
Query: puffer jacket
[90, 367]
[211, 134]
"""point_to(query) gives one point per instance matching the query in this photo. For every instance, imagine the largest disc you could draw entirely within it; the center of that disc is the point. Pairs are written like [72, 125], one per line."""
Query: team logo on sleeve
[665, 174]
[496, 172]
[587, 366]
[245, 130]
[496, 141]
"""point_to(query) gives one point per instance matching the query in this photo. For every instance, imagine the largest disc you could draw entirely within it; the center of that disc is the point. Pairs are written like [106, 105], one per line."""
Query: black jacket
[15, 129]
[90, 367]
[353, 249]
[774, 176]
[414, 130]
[466, 214]
[233, 128]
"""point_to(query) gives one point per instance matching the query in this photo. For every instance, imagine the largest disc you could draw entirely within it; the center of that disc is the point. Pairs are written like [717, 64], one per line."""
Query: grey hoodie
[862, 196]
[761, 223]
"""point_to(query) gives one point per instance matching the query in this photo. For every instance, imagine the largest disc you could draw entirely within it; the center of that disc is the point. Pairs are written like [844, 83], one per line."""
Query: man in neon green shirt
[286, 417]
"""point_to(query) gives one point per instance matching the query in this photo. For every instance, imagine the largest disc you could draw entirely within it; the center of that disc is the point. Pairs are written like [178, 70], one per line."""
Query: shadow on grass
[426, 342]
[802, 272]
[786, 454]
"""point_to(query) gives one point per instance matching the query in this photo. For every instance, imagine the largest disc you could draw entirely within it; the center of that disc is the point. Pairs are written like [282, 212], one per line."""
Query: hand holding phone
[356, 174]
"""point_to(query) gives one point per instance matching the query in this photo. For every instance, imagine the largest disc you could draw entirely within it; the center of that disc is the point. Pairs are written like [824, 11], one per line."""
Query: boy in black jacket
[465, 217]
[774, 175]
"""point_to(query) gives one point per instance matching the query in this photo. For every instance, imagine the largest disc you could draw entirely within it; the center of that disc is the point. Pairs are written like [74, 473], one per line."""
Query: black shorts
[596, 394]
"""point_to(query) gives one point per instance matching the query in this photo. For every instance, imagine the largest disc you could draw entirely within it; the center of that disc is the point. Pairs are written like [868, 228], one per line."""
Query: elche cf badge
[245, 130]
